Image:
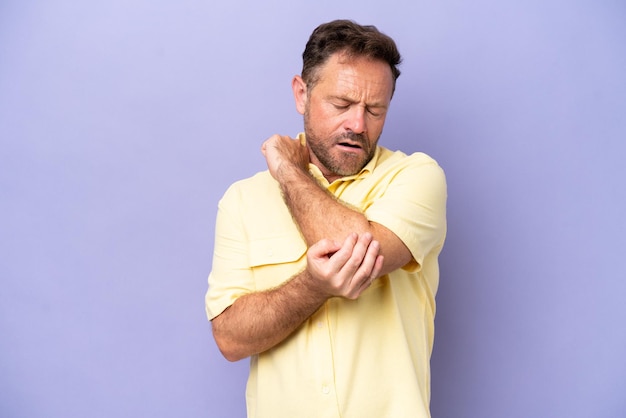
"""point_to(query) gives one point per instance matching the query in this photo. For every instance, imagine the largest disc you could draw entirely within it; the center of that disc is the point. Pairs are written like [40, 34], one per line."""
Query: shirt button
[320, 324]
[325, 390]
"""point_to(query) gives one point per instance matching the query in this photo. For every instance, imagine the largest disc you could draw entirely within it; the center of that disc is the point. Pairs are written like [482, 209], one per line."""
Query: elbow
[230, 355]
[228, 348]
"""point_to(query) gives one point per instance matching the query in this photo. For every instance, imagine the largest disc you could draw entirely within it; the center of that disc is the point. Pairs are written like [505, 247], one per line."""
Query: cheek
[323, 120]
[373, 134]
[375, 127]
[325, 113]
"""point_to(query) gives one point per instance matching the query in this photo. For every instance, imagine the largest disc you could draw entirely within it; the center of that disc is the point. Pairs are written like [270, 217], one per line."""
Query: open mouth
[350, 145]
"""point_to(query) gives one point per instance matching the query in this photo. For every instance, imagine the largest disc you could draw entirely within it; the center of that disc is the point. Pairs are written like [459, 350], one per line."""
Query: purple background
[123, 122]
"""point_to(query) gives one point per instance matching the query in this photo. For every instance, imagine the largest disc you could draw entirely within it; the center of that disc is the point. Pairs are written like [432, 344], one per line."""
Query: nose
[355, 120]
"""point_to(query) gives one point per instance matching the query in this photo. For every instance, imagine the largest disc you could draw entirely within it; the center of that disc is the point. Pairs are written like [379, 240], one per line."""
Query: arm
[318, 214]
[258, 321]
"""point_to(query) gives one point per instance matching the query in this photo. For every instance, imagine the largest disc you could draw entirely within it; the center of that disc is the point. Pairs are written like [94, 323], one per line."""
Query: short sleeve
[257, 244]
[413, 205]
[230, 258]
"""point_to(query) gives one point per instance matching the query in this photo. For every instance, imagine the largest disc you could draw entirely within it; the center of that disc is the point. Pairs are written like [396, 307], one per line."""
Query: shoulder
[255, 205]
[393, 163]
[260, 185]
[389, 157]
[255, 199]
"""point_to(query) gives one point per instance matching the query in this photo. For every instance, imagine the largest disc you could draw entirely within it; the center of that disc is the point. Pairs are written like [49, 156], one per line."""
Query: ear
[299, 93]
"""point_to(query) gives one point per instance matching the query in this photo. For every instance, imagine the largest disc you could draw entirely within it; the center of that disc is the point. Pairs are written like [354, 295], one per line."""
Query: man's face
[344, 113]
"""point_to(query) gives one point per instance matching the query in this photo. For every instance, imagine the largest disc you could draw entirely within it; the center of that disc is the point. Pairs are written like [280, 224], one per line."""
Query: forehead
[348, 75]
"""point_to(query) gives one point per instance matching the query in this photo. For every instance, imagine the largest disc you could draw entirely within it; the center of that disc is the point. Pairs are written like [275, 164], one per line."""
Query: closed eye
[341, 106]
[375, 111]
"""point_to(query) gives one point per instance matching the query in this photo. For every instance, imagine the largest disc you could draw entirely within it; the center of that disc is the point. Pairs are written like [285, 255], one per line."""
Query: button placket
[326, 372]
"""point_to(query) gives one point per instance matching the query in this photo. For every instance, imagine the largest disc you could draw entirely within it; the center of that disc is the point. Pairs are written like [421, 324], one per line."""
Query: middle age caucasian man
[325, 266]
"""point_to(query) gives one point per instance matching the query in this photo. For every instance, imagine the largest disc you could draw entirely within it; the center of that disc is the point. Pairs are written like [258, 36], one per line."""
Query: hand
[346, 269]
[281, 151]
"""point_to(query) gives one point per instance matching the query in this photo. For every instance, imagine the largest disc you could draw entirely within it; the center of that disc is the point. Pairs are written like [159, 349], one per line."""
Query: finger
[378, 265]
[266, 144]
[344, 253]
[324, 248]
[359, 251]
[358, 268]
[366, 270]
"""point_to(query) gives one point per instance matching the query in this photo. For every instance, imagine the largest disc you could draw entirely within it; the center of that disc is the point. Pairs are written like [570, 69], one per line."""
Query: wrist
[289, 171]
[311, 287]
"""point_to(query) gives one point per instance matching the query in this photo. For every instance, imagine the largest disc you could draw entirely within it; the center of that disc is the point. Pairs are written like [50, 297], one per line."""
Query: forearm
[318, 213]
[258, 321]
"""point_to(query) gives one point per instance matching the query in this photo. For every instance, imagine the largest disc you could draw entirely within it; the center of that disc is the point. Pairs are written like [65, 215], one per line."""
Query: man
[325, 266]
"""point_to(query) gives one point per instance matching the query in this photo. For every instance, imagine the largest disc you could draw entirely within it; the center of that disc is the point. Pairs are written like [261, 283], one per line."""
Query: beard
[337, 162]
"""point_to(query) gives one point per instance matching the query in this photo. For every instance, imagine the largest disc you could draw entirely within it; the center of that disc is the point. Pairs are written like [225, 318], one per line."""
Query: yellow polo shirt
[361, 358]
